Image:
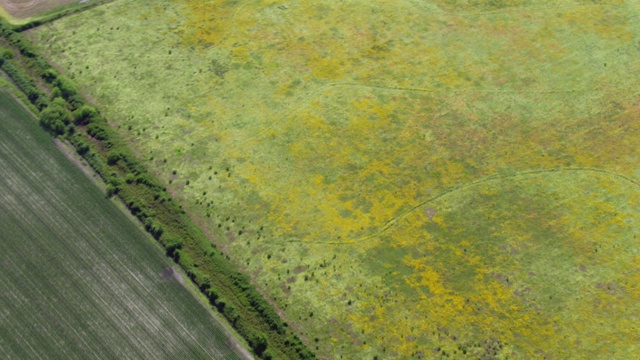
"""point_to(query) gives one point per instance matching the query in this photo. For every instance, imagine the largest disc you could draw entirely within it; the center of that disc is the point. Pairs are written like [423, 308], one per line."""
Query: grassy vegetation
[65, 113]
[78, 277]
[434, 179]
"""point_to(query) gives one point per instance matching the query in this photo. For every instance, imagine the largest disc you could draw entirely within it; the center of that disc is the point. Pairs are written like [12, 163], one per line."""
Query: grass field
[403, 179]
[79, 279]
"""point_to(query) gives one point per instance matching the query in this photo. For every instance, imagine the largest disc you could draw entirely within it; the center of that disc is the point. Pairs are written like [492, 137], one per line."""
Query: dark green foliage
[99, 131]
[172, 244]
[154, 228]
[111, 190]
[146, 179]
[5, 54]
[22, 44]
[134, 206]
[55, 93]
[221, 303]
[113, 157]
[41, 102]
[258, 343]
[95, 161]
[85, 115]
[76, 101]
[55, 117]
[212, 295]
[205, 283]
[24, 83]
[81, 145]
[231, 314]
[49, 75]
[66, 86]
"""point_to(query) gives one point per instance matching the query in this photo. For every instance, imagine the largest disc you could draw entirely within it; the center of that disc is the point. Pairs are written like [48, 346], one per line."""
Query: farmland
[21, 12]
[79, 278]
[22, 9]
[400, 178]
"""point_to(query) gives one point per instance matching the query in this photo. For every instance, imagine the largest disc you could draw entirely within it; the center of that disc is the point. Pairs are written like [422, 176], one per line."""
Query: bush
[172, 244]
[258, 343]
[55, 117]
[99, 131]
[111, 190]
[229, 311]
[50, 75]
[204, 282]
[41, 103]
[212, 294]
[76, 101]
[67, 87]
[85, 115]
[113, 157]
[155, 228]
[22, 80]
[22, 44]
[55, 93]
[134, 206]
[221, 303]
[5, 54]
[81, 145]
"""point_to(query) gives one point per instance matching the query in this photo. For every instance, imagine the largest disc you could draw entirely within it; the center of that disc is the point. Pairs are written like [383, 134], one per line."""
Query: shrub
[5, 54]
[55, 93]
[82, 147]
[22, 80]
[258, 343]
[113, 157]
[67, 87]
[172, 244]
[231, 313]
[111, 190]
[85, 115]
[50, 75]
[154, 228]
[99, 131]
[55, 117]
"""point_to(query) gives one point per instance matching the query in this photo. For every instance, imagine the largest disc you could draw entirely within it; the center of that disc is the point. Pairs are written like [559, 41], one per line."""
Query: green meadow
[402, 179]
[79, 278]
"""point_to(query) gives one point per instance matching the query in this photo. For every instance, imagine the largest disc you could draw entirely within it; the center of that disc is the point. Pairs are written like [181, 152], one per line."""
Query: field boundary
[66, 114]
[39, 201]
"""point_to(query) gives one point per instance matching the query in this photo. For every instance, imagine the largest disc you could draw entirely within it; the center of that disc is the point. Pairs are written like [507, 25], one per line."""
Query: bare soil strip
[21, 9]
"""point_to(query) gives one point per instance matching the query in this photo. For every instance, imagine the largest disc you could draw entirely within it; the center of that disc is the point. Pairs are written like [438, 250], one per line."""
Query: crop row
[79, 277]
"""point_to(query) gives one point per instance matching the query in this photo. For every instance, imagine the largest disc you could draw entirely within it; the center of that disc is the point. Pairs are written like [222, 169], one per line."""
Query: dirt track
[26, 8]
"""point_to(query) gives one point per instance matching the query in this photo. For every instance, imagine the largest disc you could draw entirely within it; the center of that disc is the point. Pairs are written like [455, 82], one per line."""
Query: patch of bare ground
[243, 353]
[170, 273]
[21, 9]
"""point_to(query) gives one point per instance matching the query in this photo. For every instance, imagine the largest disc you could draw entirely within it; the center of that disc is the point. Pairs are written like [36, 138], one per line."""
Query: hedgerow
[65, 113]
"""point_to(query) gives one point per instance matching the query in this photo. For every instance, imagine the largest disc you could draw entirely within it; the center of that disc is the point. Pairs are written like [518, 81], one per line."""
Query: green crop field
[79, 279]
[402, 178]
